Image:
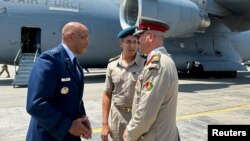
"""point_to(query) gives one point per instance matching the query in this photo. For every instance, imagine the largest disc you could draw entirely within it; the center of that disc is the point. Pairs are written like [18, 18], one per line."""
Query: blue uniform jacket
[54, 98]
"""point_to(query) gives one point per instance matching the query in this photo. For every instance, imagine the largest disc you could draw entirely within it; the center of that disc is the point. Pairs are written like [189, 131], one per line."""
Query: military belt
[125, 109]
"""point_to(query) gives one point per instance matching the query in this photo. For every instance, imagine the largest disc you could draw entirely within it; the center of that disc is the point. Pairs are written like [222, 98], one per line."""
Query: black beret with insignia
[126, 32]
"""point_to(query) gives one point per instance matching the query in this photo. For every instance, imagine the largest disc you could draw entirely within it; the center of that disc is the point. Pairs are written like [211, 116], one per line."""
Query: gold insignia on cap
[64, 90]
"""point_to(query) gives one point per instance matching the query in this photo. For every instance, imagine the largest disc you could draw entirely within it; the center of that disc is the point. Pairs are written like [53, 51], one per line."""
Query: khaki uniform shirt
[121, 80]
[155, 100]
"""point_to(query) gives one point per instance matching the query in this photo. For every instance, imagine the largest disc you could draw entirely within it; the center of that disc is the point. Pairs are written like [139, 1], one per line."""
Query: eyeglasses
[130, 42]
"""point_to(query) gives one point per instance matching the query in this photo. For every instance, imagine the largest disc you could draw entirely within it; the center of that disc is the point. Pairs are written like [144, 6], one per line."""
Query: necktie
[75, 63]
[75, 66]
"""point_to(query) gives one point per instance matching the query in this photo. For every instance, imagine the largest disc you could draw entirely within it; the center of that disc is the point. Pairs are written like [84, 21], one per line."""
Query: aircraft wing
[238, 17]
[202, 32]
[186, 17]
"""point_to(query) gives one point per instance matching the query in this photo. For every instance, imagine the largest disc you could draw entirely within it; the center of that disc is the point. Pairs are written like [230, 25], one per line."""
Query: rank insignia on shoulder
[54, 51]
[154, 58]
[143, 56]
[149, 85]
[65, 90]
[114, 58]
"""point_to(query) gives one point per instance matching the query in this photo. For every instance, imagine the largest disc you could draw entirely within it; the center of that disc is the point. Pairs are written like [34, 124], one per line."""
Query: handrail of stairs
[38, 50]
[17, 59]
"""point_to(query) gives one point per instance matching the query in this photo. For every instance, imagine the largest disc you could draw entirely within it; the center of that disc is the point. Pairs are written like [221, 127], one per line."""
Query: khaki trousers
[119, 121]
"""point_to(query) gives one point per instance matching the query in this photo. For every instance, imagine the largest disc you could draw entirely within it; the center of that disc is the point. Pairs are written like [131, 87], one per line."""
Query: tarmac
[201, 102]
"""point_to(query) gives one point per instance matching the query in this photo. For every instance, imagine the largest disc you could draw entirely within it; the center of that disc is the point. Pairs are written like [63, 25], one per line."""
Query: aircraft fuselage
[28, 24]
[46, 17]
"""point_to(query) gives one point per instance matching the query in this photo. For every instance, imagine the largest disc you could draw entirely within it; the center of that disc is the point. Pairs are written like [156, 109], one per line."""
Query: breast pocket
[116, 79]
[65, 85]
[134, 76]
[117, 84]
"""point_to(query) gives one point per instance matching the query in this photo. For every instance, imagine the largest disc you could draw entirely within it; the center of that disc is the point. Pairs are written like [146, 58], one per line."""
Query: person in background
[121, 76]
[5, 68]
[156, 91]
[55, 90]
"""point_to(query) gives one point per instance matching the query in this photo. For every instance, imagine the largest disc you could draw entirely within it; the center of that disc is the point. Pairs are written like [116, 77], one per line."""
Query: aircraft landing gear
[197, 70]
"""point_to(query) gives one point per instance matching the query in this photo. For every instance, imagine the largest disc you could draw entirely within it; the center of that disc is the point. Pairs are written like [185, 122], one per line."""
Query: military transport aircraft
[204, 35]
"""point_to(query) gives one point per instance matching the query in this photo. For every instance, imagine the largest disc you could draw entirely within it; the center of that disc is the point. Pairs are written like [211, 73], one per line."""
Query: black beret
[126, 32]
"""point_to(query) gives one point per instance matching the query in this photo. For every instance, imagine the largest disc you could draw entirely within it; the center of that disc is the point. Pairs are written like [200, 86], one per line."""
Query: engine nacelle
[183, 16]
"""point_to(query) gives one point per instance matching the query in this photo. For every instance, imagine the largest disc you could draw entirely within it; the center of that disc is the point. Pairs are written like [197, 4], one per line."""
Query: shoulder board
[155, 58]
[114, 58]
[143, 56]
[54, 51]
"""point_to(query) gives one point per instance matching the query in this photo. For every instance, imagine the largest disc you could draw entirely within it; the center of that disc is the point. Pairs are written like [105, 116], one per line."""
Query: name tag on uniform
[65, 79]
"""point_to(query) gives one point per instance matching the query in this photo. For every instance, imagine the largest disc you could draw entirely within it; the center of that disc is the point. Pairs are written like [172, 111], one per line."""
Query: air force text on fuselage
[61, 5]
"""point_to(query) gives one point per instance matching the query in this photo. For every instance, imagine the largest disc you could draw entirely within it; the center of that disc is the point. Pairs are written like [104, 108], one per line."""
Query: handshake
[81, 127]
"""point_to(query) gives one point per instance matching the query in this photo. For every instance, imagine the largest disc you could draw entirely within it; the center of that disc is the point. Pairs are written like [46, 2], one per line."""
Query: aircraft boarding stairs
[25, 64]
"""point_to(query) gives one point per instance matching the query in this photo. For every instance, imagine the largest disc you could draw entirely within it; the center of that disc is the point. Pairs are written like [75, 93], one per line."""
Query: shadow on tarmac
[6, 82]
[243, 78]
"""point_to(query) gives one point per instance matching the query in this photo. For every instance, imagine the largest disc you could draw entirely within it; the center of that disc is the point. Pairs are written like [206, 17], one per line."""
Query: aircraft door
[30, 39]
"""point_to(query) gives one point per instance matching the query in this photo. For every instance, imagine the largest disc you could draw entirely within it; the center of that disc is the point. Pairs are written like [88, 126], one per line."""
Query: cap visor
[138, 32]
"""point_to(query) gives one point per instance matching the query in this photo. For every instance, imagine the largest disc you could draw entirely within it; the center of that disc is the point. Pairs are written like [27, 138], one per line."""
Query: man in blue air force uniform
[55, 90]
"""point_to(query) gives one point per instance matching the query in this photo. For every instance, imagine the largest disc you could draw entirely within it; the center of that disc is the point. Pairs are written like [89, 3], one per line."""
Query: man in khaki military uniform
[155, 100]
[121, 76]
[5, 68]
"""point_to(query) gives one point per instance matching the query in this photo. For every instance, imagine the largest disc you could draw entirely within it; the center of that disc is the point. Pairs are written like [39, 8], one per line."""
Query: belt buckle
[127, 109]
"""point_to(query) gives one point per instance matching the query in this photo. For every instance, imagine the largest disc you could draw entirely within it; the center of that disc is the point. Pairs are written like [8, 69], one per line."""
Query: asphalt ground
[201, 102]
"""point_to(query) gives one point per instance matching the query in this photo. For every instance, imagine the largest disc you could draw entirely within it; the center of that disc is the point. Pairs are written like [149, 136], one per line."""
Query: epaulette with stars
[54, 51]
[114, 58]
[143, 56]
[154, 58]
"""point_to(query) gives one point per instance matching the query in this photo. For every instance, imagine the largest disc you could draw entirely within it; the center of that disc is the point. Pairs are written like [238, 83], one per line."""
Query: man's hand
[124, 135]
[105, 132]
[78, 129]
[86, 123]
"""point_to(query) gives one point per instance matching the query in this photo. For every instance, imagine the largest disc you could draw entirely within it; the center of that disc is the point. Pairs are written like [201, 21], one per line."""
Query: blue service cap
[126, 32]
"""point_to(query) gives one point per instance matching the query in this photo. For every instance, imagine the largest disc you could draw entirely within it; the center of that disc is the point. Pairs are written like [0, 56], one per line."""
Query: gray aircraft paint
[194, 34]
